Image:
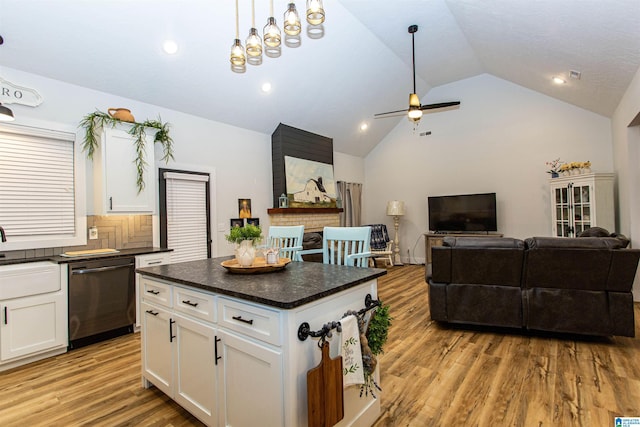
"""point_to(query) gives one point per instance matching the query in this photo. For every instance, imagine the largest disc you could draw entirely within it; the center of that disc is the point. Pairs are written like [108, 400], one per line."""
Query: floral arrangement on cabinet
[557, 168]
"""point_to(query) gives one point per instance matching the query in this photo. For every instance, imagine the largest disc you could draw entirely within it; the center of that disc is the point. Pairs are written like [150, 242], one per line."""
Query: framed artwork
[309, 183]
[237, 222]
[253, 221]
[244, 208]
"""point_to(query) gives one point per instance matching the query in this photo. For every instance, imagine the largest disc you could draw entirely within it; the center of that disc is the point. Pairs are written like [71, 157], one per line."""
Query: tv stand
[436, 238]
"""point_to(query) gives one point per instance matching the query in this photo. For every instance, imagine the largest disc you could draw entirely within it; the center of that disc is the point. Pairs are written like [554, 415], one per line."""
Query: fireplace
[313, 219]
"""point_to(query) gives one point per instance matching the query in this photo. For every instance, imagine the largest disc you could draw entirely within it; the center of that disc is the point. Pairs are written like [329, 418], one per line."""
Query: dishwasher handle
[99, 269]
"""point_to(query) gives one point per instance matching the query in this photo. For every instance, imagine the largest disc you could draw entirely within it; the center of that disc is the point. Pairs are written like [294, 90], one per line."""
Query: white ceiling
[361, 66]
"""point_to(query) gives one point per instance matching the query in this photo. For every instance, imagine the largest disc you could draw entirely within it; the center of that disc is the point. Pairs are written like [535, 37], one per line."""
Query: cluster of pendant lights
[272, 36]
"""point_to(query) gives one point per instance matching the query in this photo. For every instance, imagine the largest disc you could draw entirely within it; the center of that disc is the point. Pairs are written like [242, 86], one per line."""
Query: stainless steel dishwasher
[101, 299]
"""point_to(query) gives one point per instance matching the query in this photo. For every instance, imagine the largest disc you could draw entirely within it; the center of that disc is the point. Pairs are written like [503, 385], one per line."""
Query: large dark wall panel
[293, 142]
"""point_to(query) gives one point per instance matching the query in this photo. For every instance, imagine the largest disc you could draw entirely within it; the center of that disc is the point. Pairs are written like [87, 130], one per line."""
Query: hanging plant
[371, 342]
[97, 120]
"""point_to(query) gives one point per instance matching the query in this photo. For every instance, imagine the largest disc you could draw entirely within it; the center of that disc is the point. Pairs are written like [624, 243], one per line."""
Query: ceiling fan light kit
[414, 112]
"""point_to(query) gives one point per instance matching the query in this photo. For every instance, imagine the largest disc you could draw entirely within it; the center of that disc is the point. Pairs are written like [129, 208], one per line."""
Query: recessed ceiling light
[266, 87]
[558, 80]
[170, 47]
[364, 126]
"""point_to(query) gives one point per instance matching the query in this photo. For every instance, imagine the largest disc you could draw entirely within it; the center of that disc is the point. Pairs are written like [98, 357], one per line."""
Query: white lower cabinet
[251, 375]
[33, 312]
[221, 377]
[147, 260]
[32, 324]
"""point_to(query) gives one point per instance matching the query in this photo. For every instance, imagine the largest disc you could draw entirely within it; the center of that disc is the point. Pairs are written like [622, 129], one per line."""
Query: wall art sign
[11, 93]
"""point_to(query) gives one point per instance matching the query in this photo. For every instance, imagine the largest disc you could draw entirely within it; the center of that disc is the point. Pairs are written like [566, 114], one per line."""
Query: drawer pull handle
[154, 262]
[151, 312]
[192, 304]
[240, 319]
[152, 291]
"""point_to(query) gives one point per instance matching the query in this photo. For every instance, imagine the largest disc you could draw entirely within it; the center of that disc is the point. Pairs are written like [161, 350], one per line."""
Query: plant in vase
[245, 239]
[554, 167]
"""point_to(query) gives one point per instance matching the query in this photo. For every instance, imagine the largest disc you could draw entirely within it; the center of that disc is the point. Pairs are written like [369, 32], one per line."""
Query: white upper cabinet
[115, 174]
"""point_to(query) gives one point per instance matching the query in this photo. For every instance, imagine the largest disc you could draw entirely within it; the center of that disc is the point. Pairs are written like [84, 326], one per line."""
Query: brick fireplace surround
[313, 219]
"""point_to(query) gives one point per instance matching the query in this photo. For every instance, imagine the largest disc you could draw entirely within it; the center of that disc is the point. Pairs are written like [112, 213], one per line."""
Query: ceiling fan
[414, 112]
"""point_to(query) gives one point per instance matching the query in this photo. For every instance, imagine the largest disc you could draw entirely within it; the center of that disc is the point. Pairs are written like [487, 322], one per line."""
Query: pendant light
[254, 42]
[315, 12]
[238, 58]
[272, 34]
[6, 115]
[292, 25]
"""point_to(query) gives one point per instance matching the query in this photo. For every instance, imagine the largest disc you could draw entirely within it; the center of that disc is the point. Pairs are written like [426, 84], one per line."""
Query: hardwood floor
[431, 376]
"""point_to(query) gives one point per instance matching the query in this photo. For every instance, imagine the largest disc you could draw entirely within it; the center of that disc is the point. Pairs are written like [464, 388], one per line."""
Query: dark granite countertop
[297, 284]
[65, 260]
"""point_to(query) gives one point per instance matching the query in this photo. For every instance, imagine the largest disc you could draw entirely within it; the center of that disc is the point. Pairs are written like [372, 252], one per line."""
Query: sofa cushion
[594, 232]
[482, 242]
[574, 243]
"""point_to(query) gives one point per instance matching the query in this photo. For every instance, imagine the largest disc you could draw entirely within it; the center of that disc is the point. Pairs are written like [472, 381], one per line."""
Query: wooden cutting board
[325, 400]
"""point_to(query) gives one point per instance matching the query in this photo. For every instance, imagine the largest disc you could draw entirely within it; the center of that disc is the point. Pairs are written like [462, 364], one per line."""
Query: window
[184, 214]
[37, 188]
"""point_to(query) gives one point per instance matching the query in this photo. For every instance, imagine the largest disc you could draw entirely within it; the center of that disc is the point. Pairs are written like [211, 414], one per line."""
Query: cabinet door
[581, 199]
[121, 174]
[562, 222]
[195, 369]
[31, 325]
[157, 357]
[251, 373]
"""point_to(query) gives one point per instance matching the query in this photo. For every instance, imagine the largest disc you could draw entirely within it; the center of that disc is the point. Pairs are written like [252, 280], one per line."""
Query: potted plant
[245, 239]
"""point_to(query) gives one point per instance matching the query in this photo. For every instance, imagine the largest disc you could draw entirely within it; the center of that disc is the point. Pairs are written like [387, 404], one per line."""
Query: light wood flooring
[432, 375]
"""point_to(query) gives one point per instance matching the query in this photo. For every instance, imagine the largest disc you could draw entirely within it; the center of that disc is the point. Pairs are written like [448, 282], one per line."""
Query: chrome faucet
[3, 235]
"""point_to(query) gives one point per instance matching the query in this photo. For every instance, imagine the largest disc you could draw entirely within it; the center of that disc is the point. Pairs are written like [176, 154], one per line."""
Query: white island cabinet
[33, 309]
[226, 347]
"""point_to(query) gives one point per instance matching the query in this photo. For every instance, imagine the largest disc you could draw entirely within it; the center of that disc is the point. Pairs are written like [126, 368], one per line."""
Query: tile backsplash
[114, 232]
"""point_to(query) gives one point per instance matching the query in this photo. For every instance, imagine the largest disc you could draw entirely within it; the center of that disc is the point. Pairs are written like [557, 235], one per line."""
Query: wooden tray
[259, 266]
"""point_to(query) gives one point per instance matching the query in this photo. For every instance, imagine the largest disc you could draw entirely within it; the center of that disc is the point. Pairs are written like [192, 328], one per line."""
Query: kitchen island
[225, 346]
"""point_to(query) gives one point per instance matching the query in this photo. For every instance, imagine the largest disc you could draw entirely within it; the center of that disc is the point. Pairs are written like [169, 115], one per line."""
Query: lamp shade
[395, 208]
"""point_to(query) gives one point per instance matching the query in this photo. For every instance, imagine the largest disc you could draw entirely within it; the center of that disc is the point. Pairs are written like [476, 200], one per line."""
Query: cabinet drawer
[20, 280]
[155, 291]
[256, 322]
[152, 259]
[194, 303]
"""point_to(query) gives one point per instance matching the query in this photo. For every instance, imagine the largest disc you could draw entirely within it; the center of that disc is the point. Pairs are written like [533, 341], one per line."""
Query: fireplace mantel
[298, 211]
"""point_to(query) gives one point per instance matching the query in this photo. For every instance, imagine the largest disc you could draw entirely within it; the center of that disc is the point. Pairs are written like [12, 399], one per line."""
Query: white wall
[626, 148]
[239, 159]
[497, 141]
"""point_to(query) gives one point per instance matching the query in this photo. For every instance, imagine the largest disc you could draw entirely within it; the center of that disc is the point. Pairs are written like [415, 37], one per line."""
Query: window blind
[186, 216]
[37, 194]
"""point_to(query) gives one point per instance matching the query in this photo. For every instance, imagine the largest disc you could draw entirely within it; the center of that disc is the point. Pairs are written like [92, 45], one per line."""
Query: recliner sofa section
[570, 285]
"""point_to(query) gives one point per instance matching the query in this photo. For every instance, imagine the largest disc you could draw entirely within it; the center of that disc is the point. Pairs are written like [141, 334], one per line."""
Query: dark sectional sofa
[570, 285]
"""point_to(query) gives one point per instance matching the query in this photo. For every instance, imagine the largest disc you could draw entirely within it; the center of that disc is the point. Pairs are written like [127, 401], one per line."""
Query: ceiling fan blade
[390, 112]
[439, 105]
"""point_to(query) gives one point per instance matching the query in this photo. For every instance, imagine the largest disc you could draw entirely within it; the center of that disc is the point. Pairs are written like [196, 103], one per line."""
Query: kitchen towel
[351, 351]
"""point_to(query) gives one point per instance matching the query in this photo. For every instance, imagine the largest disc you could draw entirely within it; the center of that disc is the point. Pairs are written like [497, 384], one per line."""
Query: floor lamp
[395, 209]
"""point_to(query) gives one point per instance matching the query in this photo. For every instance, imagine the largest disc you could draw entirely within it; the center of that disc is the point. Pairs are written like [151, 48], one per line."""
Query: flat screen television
[463, 213]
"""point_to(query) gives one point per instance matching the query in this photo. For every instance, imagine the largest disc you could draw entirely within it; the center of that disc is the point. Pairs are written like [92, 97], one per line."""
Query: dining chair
[287, 238]
[344, 246]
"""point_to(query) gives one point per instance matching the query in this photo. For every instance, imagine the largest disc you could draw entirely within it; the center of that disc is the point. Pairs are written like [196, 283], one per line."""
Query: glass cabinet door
[581, 208]
[562, 225]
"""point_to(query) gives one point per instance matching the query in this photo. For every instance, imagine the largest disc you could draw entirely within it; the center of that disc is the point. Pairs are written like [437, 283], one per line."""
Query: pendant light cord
[270, 7]
[237, 22]
[253, 13]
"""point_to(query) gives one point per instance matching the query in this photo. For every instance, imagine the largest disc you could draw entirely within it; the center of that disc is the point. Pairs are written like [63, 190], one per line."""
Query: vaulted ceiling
[360, 66]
